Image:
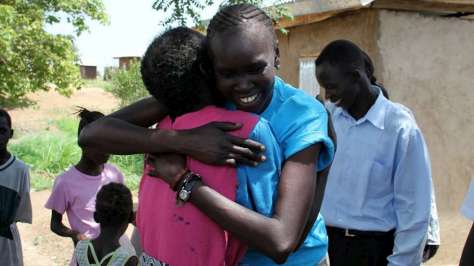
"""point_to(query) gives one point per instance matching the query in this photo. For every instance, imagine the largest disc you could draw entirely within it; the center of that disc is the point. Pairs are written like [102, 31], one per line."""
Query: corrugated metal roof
[304, 7]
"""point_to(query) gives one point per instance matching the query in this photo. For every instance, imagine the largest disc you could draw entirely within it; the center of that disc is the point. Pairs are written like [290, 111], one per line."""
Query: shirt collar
[7, 163]
[375, 115]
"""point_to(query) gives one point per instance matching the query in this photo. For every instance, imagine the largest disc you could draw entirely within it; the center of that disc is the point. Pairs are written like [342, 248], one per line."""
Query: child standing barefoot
[15, 203]
[75, 190]
[113, 212]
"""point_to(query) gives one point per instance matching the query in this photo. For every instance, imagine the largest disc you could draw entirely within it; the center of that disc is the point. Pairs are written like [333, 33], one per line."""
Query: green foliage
[131, 167]
[95, 83]
[32, 59]
[183, 10]
[51, 152]
[109, 71]
[127, 84]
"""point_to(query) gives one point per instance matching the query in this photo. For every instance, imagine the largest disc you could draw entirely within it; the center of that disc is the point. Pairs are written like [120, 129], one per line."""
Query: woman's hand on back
[212, 145]
[167, 166]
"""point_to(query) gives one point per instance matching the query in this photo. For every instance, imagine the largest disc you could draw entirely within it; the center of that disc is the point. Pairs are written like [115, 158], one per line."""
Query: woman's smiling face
[340, 88]
[244, 64]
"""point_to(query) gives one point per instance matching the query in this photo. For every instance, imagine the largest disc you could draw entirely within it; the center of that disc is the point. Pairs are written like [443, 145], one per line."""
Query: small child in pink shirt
[75, 190]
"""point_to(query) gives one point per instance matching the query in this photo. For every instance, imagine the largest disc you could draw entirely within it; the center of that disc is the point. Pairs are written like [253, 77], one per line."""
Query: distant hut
[88, 71]
[125, 61]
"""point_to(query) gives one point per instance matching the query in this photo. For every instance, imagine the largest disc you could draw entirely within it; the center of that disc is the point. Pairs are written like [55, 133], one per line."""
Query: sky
[133, 24]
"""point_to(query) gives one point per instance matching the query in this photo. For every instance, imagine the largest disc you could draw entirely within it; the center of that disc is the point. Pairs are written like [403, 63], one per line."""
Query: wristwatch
[184, 192]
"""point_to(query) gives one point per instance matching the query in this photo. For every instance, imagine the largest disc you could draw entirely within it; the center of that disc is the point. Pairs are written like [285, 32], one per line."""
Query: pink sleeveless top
[184, 236]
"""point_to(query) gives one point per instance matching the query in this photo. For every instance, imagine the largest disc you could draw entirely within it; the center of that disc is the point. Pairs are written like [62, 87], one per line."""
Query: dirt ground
[51, 105]
[43, 248]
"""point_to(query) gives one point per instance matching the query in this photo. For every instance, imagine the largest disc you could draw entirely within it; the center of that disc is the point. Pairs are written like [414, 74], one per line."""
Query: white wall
[428, 65]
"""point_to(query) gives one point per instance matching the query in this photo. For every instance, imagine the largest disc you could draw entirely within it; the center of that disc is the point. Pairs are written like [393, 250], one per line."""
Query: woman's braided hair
[238, 15]
[113, 205]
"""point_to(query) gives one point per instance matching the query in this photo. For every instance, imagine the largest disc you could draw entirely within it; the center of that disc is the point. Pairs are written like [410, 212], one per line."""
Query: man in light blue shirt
[378, 196]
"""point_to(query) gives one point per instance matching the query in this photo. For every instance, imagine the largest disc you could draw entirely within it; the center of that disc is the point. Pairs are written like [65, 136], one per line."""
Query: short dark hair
[349, 56]
[4, 113]
[171, 69]
[87, 117]
[343, 53]
[114, 205]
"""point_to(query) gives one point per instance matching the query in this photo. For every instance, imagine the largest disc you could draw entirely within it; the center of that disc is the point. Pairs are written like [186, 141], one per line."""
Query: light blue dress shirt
[380, 178]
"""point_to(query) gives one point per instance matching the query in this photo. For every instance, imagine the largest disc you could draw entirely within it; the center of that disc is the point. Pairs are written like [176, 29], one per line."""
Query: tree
[183, 10]
[127, 84]
[32, 59]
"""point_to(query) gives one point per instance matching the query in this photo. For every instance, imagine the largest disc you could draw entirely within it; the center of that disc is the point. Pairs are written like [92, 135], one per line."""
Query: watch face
[184, 195]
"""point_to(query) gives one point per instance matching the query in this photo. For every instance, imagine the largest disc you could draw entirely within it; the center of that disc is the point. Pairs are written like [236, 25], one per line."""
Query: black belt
[359, 233]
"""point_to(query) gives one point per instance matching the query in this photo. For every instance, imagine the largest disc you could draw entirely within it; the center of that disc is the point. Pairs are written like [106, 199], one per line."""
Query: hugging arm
[127, 131]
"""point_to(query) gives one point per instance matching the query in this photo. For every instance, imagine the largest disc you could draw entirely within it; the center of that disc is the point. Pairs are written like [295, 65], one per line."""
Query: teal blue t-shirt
[297, 121]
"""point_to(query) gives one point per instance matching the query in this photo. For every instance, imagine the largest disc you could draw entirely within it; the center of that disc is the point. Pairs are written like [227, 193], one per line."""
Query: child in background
[113, 211]
[15, 203]
[75, 190]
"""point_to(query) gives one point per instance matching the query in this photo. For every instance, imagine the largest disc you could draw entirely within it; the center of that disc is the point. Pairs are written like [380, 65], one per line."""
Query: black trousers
[359, 248]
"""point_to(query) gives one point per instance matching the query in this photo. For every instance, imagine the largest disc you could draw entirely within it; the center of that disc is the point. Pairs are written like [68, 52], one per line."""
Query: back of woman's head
[239, 16]
[113, 205]
[171, 70]
[87, 117]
